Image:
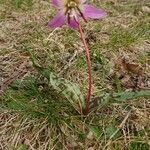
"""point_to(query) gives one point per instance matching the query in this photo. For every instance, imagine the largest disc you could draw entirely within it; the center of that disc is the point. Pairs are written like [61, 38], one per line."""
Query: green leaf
[107, 98]
[96, 131]
[67, 89]
[131, 95]
[112, 131]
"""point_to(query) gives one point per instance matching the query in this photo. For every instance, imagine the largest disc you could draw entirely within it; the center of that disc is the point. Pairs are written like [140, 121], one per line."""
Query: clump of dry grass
[115, 125]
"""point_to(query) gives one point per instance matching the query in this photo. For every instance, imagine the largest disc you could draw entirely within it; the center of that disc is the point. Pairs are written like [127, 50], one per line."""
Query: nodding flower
[71, 11]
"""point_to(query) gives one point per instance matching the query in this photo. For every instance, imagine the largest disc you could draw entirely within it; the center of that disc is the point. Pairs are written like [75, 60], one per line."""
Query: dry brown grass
[122, 34]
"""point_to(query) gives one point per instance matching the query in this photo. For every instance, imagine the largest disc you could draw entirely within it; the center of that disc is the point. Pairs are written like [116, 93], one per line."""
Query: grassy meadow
[43, 78]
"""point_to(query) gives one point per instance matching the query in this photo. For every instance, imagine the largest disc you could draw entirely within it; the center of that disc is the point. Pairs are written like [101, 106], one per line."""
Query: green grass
[41, 109]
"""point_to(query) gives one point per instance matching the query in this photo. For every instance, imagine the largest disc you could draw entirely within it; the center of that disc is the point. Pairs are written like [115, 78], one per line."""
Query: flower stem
[88, 60]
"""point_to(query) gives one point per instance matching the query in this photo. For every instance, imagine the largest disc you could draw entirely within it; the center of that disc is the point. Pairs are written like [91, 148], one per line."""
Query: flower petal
[56, 2]
[92, 12]
[73, 23]
[58, 20]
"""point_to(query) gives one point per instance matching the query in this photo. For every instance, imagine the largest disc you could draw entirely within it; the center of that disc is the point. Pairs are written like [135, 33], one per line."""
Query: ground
[36, 115]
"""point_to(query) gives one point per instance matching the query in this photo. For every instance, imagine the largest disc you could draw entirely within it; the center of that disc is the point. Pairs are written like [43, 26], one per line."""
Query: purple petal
[56, 2]
[92, 12]
[73, 23]
[58, 20]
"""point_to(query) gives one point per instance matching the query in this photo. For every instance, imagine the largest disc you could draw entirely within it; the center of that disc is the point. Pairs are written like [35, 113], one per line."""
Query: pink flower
[72, 10]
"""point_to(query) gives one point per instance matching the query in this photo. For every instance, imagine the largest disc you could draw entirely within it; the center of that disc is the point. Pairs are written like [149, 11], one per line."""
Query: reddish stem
[88, 60]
